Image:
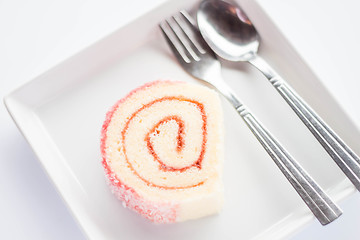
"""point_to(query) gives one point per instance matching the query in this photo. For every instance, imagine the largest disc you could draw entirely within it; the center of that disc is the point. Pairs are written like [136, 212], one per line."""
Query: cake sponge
[162, 151]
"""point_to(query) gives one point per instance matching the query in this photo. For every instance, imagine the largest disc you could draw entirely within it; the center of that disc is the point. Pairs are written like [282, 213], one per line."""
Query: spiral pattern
[163, 165]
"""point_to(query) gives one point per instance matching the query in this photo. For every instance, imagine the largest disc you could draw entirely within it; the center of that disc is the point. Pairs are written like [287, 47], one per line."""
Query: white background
[37, 34]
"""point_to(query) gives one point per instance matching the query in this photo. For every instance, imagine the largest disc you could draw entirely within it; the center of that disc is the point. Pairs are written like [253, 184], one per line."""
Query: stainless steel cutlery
[197, 59]
[231, 35]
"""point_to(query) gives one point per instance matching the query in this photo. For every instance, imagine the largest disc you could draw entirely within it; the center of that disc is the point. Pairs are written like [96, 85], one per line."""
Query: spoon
[231, 35]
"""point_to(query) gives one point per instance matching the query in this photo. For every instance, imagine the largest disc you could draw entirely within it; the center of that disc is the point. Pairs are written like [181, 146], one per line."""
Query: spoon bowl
[228, 30]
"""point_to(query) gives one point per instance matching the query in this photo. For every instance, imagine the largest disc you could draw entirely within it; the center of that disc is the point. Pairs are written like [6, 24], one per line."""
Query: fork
[199, 60]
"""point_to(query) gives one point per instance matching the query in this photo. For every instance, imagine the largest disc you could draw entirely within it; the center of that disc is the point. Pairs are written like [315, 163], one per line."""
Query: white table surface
[35, 35]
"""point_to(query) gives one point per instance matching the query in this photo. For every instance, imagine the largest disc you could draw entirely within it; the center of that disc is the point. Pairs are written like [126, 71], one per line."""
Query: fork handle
[344, 157]
[315, 198]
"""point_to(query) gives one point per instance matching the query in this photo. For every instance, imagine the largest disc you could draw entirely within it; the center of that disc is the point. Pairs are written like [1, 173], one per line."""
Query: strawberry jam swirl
[180, 141]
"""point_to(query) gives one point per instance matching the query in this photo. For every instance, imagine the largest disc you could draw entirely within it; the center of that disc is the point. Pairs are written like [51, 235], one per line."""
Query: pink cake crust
[159, 212]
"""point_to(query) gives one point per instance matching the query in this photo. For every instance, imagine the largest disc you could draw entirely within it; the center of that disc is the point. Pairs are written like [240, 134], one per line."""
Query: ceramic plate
[61, 113]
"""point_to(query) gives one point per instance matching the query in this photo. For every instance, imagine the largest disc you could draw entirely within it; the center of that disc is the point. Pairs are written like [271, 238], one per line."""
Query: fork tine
[187, 25]
[173, 42]
[182, 37]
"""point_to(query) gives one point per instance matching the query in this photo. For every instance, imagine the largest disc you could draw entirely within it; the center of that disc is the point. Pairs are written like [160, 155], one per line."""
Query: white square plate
[61, 113]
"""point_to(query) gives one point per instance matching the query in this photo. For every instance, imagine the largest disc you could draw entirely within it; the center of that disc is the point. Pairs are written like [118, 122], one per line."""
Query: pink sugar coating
[159, 212]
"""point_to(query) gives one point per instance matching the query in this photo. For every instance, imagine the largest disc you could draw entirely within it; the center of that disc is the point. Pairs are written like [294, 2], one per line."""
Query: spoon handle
[344, 157]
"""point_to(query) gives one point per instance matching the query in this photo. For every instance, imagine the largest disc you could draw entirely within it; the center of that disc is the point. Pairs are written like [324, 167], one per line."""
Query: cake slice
[162, 151]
